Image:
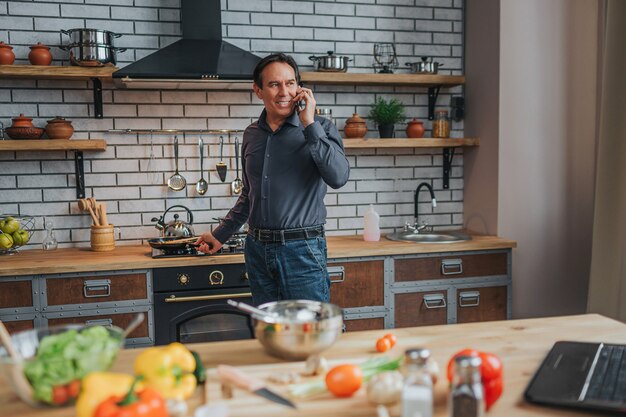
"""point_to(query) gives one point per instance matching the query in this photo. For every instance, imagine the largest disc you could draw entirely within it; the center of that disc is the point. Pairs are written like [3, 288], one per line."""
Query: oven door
[201, 316]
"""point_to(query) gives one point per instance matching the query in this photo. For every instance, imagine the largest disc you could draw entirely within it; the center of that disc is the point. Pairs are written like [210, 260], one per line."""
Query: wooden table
[521, 344]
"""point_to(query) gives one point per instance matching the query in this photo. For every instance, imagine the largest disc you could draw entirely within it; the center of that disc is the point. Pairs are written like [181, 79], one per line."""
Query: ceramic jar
[59, 128]
[40, 54]
[355, 127]
[415, 129]
[7, 57]
[22, 121]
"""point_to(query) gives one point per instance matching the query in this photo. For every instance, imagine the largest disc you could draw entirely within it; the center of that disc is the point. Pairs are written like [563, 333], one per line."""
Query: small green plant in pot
[386, 114]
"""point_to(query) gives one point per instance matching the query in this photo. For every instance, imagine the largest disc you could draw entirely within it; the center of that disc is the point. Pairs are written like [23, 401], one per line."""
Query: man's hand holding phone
[305, 105]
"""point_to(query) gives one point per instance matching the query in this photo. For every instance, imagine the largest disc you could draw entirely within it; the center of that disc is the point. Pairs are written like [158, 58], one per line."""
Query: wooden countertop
[521, 344]
[37, 261]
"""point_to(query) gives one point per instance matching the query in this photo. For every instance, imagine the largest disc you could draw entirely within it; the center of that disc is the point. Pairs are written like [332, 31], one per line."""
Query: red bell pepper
[147, 403]
[490, 374]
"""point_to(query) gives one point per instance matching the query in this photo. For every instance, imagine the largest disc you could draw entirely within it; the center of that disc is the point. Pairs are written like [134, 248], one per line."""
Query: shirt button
[266, 177]
[268, 155]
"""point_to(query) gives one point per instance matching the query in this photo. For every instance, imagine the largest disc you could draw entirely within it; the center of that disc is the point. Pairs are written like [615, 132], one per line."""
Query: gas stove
[235, 244]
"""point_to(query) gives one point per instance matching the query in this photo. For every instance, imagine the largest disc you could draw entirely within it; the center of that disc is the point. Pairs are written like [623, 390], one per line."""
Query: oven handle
[174, 299]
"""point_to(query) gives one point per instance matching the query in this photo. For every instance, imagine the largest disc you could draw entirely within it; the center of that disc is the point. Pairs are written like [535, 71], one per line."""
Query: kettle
[176, 227]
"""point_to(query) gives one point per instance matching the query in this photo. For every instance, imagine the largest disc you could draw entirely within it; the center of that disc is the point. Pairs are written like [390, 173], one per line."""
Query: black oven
[190, 304]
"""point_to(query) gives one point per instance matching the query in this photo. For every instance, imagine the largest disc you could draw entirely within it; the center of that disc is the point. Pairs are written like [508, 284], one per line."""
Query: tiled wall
[132, 184]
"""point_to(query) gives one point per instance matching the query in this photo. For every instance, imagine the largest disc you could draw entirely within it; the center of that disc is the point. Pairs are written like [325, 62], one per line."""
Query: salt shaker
[417, 392]
[466, 395]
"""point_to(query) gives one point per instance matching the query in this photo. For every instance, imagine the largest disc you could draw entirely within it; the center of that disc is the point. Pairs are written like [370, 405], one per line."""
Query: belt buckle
[266, 235]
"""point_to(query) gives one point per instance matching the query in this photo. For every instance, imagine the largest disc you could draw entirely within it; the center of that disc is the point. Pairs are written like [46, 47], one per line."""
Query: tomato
[59, 395]
[392, 338]
[464, 352]
[344, 380]
[493, 391]
[383, 344]
[73, 388]
[491, 366]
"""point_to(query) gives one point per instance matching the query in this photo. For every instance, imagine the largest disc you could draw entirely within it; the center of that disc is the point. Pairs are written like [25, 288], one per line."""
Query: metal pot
[92, 55]
[330, 62]
[91, 36]
[177, 228]
[425, 66]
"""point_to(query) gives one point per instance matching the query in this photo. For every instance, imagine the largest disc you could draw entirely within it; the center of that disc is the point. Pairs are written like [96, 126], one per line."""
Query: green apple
[6, 241]
[20, 237]
[9, 225]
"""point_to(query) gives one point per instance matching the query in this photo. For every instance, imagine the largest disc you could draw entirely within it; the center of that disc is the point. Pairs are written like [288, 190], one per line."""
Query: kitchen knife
[231, 375]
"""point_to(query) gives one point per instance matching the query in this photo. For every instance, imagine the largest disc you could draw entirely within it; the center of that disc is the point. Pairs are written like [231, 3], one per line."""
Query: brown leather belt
[269, 235]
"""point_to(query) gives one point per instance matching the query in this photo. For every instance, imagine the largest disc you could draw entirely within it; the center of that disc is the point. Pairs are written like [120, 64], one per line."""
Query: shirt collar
[292, 119]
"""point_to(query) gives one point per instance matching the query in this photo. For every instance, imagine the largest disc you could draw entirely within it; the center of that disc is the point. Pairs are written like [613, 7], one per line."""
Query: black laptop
[581, 375]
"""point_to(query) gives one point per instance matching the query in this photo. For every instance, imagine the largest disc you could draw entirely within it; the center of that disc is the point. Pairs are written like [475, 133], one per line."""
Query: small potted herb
[386, 114]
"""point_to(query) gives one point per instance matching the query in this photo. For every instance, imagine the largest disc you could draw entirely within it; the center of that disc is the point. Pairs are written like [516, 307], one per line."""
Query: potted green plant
[386, 114]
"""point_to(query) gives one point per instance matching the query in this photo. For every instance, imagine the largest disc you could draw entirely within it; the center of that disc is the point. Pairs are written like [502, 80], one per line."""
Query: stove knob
[183, 279]
[216, 278]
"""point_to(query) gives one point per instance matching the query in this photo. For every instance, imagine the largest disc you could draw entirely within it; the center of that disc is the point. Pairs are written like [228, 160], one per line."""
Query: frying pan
[171, 242]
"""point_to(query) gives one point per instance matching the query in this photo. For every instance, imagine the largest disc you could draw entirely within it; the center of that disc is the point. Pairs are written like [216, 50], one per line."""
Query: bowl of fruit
[45, 366]
[15, 231]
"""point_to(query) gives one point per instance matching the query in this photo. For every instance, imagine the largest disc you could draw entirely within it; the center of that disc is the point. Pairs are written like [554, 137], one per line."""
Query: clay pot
[7, 57]
[415, 129]
[40, 54]
[22, 121]
[59, 128]
[355, 127]
[22, 128]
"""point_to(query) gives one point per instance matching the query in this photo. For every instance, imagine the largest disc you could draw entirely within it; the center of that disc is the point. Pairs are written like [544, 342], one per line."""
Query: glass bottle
[50, 242]
[441, 124]
[417, 392]
[466, 395]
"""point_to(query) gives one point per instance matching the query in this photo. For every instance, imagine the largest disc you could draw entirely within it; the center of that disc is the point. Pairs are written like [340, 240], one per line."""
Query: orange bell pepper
[146, 403]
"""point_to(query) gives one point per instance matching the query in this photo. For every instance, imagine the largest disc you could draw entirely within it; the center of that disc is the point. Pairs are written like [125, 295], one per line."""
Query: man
[289, 157]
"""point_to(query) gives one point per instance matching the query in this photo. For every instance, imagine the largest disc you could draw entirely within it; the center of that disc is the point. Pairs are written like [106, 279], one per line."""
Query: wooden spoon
[102, 208]
[21, 383]
[84, 205]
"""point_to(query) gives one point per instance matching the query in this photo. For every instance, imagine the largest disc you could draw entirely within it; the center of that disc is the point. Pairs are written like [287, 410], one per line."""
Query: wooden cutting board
[244, 403]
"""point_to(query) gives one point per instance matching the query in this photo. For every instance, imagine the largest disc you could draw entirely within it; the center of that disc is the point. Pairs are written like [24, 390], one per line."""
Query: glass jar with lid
[324, 112]
[441, 124]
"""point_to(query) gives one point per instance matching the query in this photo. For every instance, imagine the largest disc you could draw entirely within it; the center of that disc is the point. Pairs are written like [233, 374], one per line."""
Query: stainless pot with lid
[91, 36]
[92, 55]
[330, 62]
[425, 66]
[177, 228]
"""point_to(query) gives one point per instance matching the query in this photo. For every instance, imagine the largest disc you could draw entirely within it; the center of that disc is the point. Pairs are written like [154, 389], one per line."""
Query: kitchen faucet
[417, 227]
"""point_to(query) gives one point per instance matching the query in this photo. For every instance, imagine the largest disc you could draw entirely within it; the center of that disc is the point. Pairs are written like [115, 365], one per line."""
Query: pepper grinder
[50, 242]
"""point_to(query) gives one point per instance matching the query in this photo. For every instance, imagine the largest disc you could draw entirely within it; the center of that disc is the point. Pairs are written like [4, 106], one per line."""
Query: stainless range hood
[200, 60]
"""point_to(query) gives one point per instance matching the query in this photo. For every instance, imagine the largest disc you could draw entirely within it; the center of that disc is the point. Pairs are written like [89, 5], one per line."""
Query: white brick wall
[43, 184]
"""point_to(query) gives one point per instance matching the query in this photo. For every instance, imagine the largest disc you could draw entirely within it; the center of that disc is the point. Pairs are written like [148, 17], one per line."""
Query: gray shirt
[286, 174]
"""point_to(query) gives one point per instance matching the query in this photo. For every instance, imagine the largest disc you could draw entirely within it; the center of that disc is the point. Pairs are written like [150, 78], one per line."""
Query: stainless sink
[429, 237]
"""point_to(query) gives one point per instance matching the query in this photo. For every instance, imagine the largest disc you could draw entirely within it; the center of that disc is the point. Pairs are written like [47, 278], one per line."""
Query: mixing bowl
[56, 358]
[296, 329]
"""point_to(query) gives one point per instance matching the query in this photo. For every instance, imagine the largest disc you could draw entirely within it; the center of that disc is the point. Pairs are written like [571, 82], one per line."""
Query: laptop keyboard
[608, 382]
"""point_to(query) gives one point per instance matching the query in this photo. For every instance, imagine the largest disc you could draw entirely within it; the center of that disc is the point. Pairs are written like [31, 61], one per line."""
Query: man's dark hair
[280, 57]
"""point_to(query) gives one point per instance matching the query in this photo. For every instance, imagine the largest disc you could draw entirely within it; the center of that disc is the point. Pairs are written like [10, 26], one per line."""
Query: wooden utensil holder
[102, 238]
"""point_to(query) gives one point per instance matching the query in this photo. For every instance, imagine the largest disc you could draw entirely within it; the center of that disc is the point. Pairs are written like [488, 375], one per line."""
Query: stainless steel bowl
[330, 62]
[92, 55]
[425, 66]
[299, 328]
[91, 36]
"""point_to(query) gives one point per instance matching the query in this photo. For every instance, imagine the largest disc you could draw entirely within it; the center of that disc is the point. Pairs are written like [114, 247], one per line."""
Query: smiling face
[279, 88]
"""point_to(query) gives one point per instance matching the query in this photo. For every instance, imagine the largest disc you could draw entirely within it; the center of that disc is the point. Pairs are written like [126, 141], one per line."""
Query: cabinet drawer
[96, 289]
[461, 266]
[357, 325]
[15, 294]
[421, 308]
[481, 304]
[19, 325]
[117, 319]
[361, 284]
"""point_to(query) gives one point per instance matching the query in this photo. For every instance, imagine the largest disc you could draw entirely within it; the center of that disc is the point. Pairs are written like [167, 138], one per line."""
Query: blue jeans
[295, 270]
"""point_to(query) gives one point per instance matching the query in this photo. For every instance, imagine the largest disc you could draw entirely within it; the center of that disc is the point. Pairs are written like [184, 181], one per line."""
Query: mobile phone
[301, 105]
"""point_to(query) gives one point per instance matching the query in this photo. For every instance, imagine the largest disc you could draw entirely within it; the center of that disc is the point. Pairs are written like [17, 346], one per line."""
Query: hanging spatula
[221, 166]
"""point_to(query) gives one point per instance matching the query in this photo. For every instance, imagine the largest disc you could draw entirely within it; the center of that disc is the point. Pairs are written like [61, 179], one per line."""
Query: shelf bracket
[433, 93]
[97, 98]
[448, 154]
[80, 174]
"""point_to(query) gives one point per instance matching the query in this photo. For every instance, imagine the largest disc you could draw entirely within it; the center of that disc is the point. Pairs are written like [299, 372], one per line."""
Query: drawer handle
[432, 301]
[452, 266]
[337, 271]
[99, 322]
[469, 299]
[90, 287]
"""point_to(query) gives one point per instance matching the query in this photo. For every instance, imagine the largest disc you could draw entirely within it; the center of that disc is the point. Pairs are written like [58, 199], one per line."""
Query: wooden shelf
[361, 143]
[55, 72]
[53, 145]
[347, 78]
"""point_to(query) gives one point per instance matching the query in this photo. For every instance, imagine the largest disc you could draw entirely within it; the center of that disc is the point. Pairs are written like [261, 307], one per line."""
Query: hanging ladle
[237, 185]
[201, 186]
[176, 182]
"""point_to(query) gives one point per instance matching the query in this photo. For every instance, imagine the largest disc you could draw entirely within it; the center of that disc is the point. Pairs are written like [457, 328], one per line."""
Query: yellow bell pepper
[98, 386]
[168, 369]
